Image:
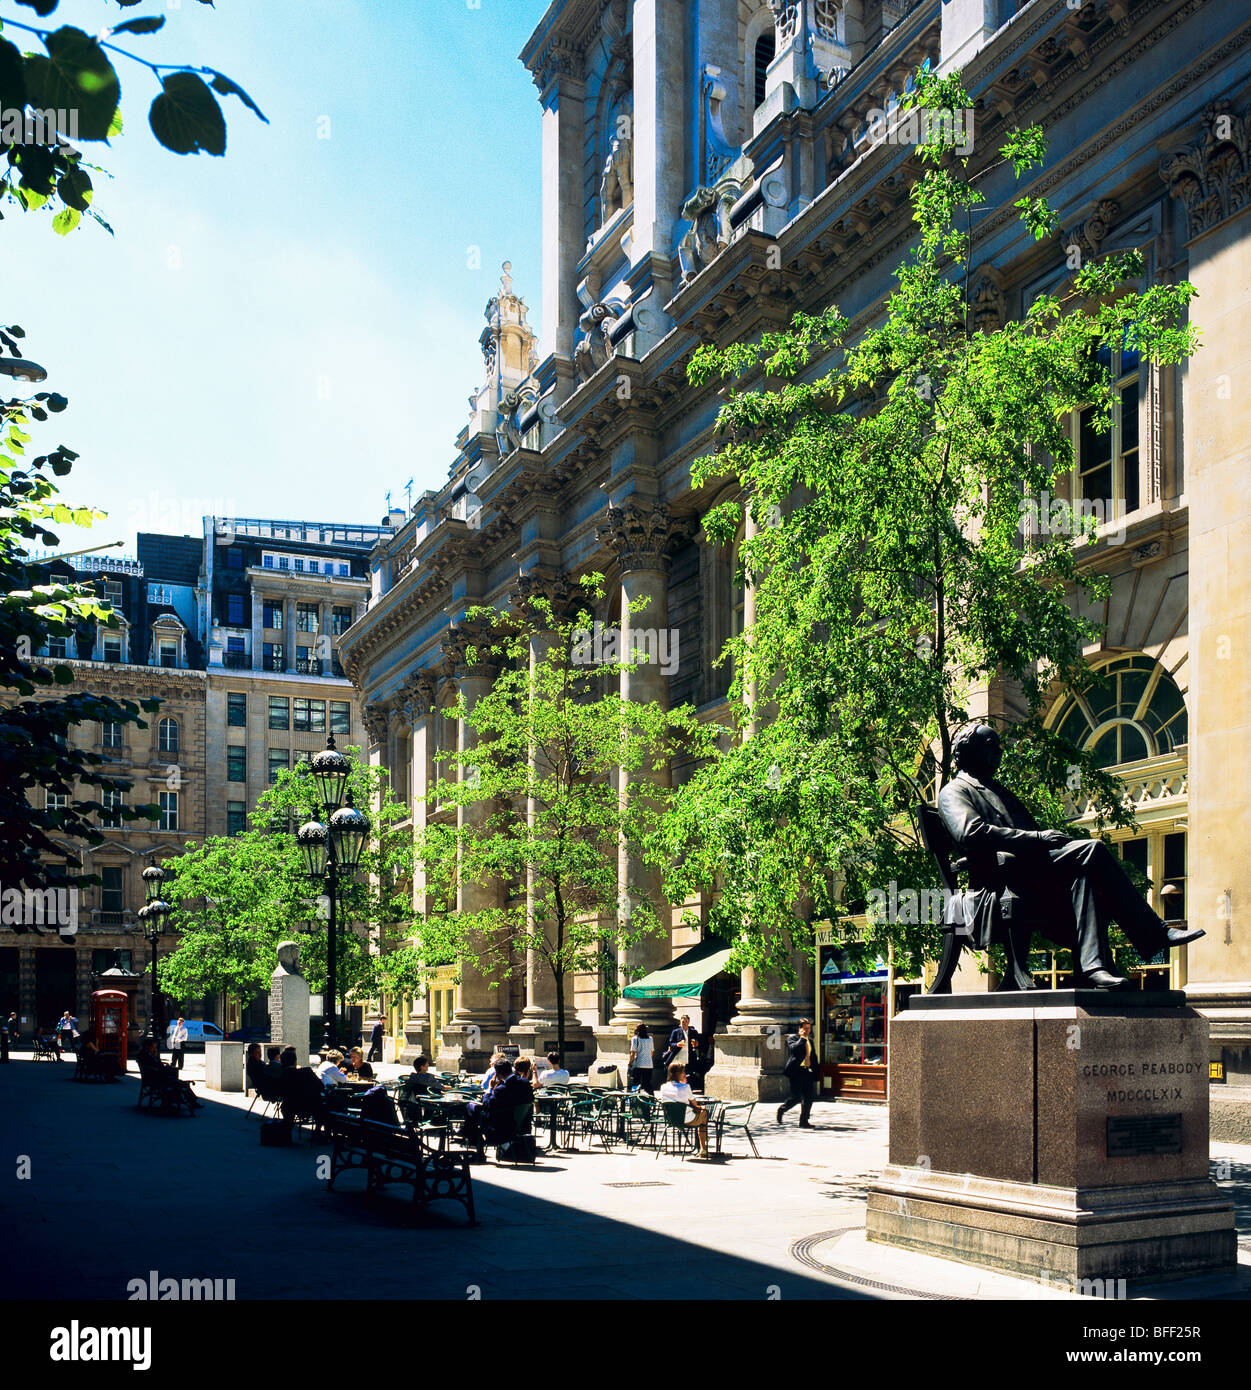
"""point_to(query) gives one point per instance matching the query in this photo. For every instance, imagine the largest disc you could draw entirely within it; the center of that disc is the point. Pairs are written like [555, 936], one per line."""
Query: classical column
[478, 1022]
[661, 177]
[751, 1053]
[1215, 218]
[639, 533]
[535, 1030]
[564, 232]
[288, 636]
[418, 697]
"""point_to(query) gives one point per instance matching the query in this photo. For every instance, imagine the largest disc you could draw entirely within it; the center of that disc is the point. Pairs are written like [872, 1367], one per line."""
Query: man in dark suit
[494, 1120]
[802, 1070]
[375, 1043]
[684, 1035]
[1024, 879]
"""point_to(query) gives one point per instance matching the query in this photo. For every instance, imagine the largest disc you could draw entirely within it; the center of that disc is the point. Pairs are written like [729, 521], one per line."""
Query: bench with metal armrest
[391, 1154]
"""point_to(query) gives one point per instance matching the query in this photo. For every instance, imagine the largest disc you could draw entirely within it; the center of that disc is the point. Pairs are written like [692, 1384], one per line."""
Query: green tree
[536, 801]
[236, 897]
[71, 93]
[888, 479]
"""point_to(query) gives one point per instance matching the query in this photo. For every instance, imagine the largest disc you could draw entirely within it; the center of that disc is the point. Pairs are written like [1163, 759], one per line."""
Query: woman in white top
[641, 1065]
[676, 1089]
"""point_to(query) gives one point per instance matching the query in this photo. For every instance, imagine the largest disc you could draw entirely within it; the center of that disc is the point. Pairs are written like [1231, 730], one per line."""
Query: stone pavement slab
[197, 1197]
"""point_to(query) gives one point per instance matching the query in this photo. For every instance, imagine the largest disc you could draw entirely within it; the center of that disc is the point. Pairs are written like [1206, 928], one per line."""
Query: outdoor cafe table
[550, 1104]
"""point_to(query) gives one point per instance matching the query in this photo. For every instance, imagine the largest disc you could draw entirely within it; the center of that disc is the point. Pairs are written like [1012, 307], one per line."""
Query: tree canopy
[894, 581]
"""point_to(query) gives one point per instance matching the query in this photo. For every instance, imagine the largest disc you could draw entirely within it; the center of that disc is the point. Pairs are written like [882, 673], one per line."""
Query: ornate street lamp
[153, 916]
[332, 848]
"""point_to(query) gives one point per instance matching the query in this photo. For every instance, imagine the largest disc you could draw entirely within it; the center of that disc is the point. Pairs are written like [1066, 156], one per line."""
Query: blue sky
[291, 330]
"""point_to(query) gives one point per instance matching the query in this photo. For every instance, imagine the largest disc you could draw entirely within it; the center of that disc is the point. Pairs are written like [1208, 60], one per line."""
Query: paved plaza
[197, 1197]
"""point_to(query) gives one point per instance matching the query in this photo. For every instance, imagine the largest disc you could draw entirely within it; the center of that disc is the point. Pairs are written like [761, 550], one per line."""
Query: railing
[273, 663]
[311, 667]
[237, 661]
[102, 917]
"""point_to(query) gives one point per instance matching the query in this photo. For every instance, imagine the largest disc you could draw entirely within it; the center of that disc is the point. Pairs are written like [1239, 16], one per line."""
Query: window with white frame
[168, 802]
[167, 736]
[1106, 477]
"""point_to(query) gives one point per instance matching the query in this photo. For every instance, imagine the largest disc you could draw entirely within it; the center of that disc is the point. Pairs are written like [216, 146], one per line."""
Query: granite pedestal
[1057, 1135]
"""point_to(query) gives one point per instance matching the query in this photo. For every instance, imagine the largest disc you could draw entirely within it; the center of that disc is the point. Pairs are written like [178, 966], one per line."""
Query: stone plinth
[1053, 1134]
[288, 1002]
[223, 1065]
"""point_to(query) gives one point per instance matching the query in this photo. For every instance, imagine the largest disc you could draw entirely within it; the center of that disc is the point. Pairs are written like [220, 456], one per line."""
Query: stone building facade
[153, 653]
[709, 168]
[237, 634]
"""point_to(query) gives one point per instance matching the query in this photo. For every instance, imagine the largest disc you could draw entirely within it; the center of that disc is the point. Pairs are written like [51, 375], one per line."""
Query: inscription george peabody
[1100, 1071]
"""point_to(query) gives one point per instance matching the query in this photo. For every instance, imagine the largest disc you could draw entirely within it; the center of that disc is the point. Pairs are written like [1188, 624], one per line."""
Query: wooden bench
[390, 1154]
[45, 1050]
[96, 1066]
[167, 1095]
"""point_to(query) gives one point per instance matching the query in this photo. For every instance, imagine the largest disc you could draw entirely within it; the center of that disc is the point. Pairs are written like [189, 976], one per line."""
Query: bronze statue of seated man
[1023, 879]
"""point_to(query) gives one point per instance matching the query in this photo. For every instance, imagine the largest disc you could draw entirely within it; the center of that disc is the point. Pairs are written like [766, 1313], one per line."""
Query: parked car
[198, 1032]
[250, 1035]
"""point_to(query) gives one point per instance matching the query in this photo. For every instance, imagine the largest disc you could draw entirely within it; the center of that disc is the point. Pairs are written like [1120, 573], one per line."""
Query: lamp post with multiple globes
[332, 849]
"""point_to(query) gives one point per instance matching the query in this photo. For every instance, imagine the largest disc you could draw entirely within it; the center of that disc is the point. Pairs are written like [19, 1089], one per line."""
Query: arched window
[167, 736]
[1133, 711]
[764, 54]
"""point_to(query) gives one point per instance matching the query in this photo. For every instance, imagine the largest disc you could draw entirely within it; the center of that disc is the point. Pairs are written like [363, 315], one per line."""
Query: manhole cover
[801, 1251]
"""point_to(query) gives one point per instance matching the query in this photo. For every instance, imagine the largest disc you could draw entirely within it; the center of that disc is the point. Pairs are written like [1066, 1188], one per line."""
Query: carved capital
[415, 699]
[377, 720]
[1210, 177]
[639, 534]
[462, 654]
[540, 584]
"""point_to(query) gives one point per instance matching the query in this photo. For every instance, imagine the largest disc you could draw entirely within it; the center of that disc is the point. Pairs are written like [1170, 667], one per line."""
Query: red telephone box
[108, 1024]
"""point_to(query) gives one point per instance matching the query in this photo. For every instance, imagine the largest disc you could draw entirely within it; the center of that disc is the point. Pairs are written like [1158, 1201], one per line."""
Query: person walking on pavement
[14, 1030]
[177, 1042]
[375, 1043]
[802, 1069]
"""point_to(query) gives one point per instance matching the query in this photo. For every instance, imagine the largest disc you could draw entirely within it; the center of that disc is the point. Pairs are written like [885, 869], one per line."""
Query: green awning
[684, 977]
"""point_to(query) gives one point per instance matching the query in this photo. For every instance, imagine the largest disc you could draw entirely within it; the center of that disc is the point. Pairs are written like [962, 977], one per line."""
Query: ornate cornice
[1210, 178]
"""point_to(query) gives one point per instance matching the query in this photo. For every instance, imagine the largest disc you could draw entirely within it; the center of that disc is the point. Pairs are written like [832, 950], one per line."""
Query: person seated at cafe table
[254, 1069]
[555, 1074]
[364, 1072]
[303, 1094]
[161, 1076]
[493, 1120]
[355, 1060]
[422, 1079]
[491, 1076]
[329, 1072]
[677, 1089]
